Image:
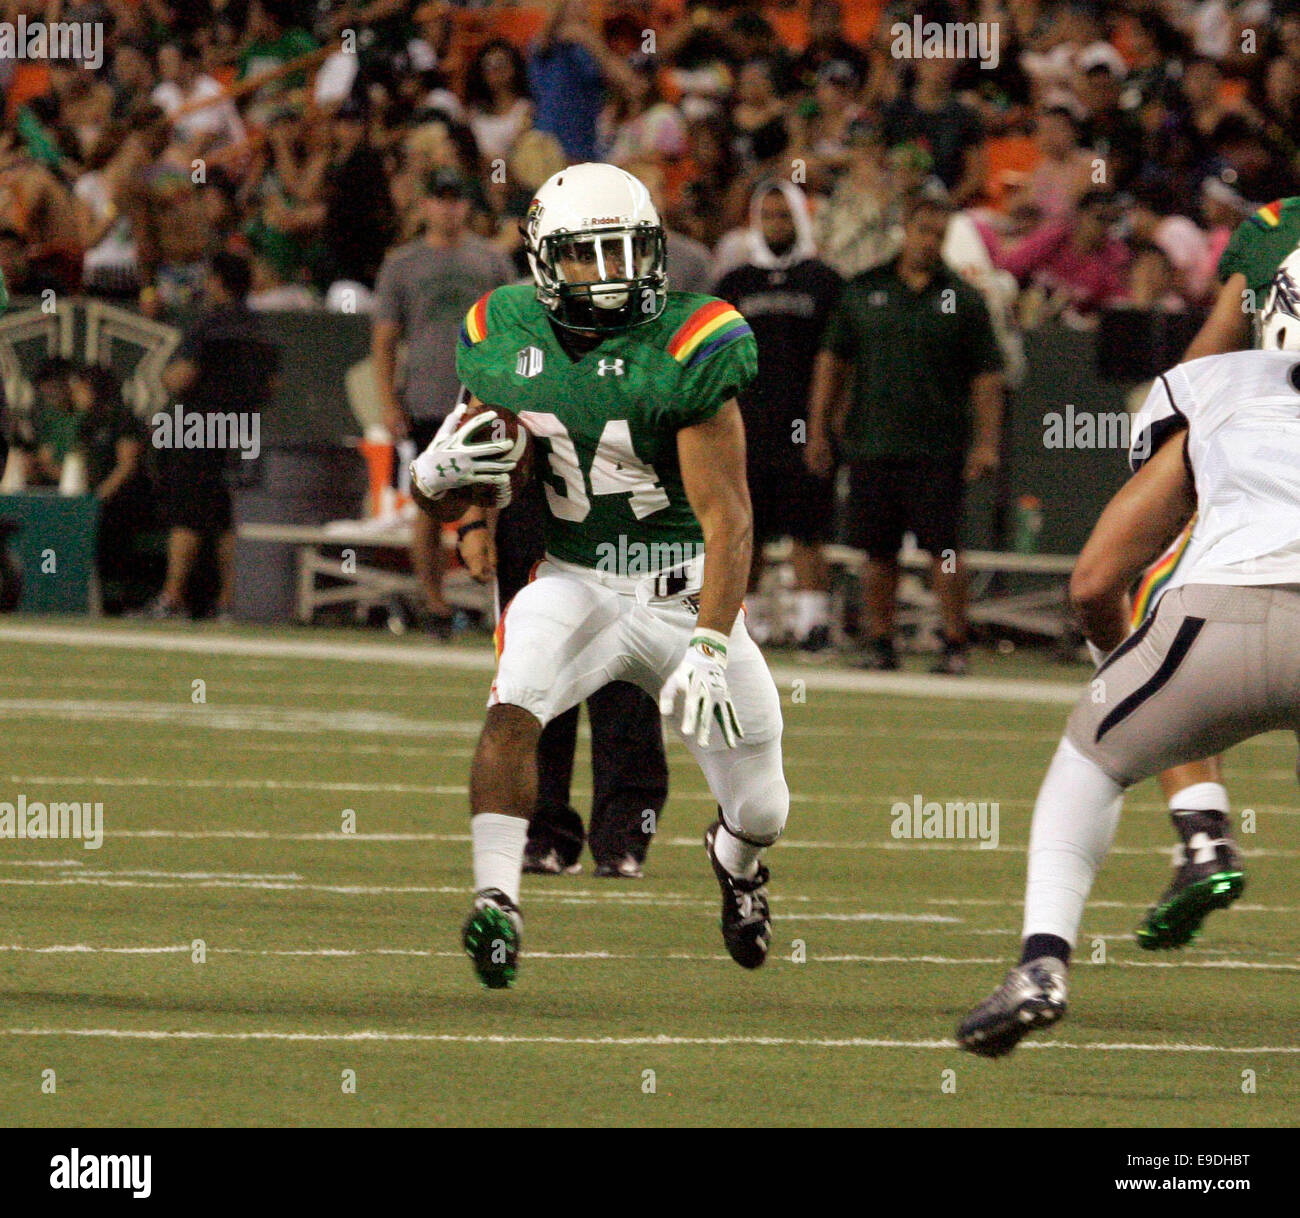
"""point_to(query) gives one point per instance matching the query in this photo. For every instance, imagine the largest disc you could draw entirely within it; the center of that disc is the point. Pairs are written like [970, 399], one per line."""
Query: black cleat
[1207, 876]
[746, 919]
[1032, 996]
[492, 934]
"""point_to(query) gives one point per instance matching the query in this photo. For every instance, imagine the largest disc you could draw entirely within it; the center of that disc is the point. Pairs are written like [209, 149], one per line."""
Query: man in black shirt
[914, 343]
[220, 379]
[786, 293]
[929, 115]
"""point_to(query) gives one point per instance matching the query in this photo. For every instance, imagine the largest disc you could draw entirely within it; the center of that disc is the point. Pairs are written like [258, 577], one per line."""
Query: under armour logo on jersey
[610, 365]
[877, 299]
[529, 362]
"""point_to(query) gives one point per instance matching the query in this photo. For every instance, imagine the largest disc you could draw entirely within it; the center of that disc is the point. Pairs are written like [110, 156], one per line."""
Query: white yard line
[352, 953]
[662, 1040]
[915, 685]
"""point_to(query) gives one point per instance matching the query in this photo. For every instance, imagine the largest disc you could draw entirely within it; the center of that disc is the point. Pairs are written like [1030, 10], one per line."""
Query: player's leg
[629, 778]
[557, 641]
[763, 612]
[1208, 874]
[555, 832]
[937, 500]
[747, 781]
[810, 509]
[1194, 683]
[875, 525]
[182, 553]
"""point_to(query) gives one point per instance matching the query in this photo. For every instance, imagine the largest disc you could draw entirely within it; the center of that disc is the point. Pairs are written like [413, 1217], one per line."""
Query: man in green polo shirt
[922, 419]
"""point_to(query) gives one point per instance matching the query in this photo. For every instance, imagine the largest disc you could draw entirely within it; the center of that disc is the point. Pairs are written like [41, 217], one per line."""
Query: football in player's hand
[500, 424]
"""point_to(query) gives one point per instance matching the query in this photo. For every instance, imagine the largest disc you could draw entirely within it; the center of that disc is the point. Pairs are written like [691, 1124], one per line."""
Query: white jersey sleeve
[1167, 410]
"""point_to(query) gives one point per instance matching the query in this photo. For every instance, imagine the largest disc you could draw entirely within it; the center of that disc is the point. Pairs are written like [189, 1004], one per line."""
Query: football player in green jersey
[630, 393]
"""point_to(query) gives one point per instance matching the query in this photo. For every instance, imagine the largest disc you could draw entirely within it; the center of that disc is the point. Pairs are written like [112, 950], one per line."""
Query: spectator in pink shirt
[1074, 258]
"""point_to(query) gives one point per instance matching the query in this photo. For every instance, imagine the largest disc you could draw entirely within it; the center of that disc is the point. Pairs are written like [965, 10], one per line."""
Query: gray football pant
[1212, 666]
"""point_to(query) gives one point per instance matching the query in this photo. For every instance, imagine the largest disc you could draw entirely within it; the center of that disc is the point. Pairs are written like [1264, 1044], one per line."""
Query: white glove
[454, 461]
[702, 677]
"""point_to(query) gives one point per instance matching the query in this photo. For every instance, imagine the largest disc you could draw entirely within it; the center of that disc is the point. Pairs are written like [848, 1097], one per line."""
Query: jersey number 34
[615, 469]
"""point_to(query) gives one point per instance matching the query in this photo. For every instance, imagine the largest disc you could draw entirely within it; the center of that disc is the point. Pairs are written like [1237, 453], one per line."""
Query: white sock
[810, 609]
[739, 858]
[1201, 797]
[498, 851]
[1075, 818]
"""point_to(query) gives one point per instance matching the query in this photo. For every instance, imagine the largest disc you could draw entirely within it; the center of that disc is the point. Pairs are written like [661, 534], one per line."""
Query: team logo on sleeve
[529, 361]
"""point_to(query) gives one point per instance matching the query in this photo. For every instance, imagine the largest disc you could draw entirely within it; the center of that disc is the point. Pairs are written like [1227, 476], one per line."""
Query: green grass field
[329, 951]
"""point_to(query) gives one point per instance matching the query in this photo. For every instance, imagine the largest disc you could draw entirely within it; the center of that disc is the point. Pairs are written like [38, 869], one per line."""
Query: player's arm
[476, 542]
[712, 459]
[1135, 526]
[1228, 327]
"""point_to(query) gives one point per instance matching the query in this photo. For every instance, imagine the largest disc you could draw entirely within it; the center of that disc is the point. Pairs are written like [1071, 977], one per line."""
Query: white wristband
[715, 639]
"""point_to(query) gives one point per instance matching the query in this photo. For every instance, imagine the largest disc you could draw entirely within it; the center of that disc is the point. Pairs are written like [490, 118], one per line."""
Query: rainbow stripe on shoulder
[474, 328]
[711, 327]
[1270, 215]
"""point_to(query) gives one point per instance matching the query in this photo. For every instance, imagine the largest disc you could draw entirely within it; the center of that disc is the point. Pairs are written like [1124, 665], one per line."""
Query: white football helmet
[1279, 323]
[597, 249]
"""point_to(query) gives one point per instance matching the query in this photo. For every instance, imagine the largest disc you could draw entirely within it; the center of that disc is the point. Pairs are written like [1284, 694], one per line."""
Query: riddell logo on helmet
[604, 220]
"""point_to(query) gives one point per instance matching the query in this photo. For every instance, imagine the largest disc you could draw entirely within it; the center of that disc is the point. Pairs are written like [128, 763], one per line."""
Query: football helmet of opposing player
[1279, 323]
[597, 249]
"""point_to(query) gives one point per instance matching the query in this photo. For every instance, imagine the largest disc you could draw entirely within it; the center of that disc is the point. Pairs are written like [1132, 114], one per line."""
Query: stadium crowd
[1105, 157]
[1101, 158]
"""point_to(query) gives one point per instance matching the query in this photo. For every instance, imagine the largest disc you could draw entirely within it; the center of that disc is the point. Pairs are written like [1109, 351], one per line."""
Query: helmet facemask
[603, 278]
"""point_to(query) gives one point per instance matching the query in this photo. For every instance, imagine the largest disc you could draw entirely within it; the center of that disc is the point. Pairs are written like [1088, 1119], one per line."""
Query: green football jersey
[1259, 243]
[606, 423]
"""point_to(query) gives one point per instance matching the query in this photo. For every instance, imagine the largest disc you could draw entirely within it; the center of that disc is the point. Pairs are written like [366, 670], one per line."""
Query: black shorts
[202, 506]
[791, 502]
[888, 498]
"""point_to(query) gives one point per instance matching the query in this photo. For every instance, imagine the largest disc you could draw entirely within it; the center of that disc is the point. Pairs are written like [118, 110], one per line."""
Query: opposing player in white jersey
[1217, 662]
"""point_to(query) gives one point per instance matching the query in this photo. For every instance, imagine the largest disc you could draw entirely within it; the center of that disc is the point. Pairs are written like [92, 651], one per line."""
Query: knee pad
[760, 802]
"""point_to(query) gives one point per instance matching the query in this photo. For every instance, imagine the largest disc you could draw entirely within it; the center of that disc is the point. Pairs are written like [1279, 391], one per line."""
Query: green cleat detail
[1175, 921]
[492, 936]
